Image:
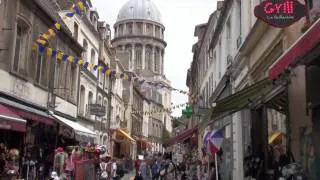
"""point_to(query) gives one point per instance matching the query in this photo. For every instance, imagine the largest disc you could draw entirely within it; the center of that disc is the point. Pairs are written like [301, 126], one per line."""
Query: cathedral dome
[141, 10]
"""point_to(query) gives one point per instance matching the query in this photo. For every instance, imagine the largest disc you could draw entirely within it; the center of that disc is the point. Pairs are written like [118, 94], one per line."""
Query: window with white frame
[81, 100]
[100, 78]
[73, 83]
[85, 52]
[93, 56]
[21, 47]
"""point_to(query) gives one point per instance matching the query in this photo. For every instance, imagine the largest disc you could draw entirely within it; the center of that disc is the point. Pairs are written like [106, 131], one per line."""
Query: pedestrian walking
[137, 165]
[144, 169]
[114, 168]
[69, 167]
[155, 170]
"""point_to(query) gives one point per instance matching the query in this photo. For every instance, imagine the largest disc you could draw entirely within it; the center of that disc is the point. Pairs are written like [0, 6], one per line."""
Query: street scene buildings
[252, 80]
[81, 98]
[67, 82]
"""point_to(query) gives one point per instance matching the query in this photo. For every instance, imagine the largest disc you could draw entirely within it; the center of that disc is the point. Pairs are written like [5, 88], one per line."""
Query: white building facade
[219, 42]
[85, 31]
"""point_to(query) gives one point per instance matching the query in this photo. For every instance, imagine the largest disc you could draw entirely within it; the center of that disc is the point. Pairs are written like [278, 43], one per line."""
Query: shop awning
[181, 137]
[28, 112]
[274, 136]
[141, 139]
[237, 101]
[125, 135]
[309, 40]
[10, 120]
[79, 129]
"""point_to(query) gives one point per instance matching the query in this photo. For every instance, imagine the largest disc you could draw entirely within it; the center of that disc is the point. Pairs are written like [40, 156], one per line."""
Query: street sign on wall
[97, 109]
[280, 13]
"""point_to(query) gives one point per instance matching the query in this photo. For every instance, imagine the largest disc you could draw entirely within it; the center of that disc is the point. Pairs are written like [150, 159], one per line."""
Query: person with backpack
[155, 170]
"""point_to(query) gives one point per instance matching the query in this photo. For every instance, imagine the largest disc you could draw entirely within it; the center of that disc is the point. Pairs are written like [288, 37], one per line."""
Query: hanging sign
[280, 13]
[97, 109]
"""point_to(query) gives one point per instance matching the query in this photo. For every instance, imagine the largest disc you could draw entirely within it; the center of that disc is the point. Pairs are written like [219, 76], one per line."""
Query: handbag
[104, 174]
[162, 172]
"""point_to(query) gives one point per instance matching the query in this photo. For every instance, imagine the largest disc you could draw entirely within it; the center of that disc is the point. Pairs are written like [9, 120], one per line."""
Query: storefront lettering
[279, 8]
[280, 13]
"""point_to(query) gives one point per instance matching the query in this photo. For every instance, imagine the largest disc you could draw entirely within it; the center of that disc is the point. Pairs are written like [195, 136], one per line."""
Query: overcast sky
[179, 18]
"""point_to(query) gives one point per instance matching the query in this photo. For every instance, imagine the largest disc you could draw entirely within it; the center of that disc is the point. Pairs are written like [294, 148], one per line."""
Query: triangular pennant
[85, 65]
[65, 57]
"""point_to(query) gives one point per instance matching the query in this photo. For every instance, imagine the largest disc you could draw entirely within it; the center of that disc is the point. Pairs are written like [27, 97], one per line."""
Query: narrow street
[207, 89]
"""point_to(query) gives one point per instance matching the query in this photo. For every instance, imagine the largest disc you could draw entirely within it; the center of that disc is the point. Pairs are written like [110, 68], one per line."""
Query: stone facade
[236, 54]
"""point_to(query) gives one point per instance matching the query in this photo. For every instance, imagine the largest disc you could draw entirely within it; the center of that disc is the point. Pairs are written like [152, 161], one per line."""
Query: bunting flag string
[78, 8]
[157, 111]
[112, 73]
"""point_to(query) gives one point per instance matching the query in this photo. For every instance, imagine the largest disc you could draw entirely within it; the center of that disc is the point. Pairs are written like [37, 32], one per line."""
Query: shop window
[21, 47]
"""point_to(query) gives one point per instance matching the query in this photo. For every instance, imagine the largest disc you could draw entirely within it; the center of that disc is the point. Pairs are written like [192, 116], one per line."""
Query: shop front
[72, 133]
[185, 148]
[12, 128]
[300, 64]
[143, 145]
[29, 129]
[251, 105]
[122, 144]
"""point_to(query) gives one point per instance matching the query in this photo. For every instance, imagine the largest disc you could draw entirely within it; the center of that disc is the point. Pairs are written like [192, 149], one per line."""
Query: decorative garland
[78, 8]
[157, 111]
[112, 73]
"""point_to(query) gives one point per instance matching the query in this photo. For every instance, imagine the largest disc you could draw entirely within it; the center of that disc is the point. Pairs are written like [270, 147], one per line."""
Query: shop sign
[97, 109]
[280, 13]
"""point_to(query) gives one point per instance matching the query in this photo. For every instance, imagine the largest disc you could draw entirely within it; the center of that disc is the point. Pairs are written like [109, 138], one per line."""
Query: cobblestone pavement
[129, 176]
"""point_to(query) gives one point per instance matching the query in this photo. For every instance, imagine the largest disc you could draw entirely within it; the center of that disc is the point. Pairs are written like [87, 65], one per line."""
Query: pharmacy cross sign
[188, 111]
[280, 13]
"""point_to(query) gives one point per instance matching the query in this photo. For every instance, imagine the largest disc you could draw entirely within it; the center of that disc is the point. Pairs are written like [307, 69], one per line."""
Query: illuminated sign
[280, 13]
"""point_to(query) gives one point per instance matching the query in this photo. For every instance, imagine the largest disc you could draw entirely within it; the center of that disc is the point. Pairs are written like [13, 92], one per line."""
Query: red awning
[181, 137]
[300, 48]
[10, 120]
